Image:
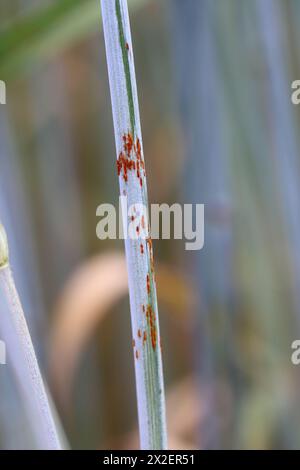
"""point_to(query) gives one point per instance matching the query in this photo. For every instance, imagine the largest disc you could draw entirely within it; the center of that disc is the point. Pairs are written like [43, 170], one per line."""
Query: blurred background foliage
[214, 81]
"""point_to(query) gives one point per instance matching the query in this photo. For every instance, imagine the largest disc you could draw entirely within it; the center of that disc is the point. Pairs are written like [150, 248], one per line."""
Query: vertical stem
[23, 357]
[139, 255]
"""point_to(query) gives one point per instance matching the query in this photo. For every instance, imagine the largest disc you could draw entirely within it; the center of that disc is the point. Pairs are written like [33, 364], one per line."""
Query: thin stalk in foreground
[23, 358]
[139, 255]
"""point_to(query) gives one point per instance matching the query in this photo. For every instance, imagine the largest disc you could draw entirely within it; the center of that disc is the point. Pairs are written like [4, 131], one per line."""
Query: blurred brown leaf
[84, 302]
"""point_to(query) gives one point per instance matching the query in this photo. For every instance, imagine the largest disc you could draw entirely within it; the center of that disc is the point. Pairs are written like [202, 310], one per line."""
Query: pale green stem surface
[142, 288]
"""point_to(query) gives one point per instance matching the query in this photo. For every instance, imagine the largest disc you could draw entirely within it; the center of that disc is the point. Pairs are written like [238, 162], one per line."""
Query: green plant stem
[139, 255]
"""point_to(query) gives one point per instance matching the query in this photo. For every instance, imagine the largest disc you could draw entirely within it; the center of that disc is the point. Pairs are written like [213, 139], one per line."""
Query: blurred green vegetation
[219, 128]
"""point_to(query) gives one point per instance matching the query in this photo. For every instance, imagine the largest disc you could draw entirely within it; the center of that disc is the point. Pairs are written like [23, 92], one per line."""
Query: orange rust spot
[145, 337]
[128, 143]
[143, 222]
[153, 337]
[149, 241]
[127, 46]
[133, 343]
[132, 218]
[126, 161]
[138, 148]
[152, 325]
[148, 283]
[137, 354]
[139, 333]
[150, 247]
[124, 165]
[138, 153]
[142, 248]
[143, 307]
[138, 229]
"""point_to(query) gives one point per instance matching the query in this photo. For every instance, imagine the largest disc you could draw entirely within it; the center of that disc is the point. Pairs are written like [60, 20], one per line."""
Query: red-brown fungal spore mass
[130, 158]
[127, 143]
[150, 315]
[148, 284]
[124, 165]
[144, 337]
[150, 249]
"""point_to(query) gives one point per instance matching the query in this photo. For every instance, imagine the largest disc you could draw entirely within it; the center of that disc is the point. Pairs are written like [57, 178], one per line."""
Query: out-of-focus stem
[25, 364]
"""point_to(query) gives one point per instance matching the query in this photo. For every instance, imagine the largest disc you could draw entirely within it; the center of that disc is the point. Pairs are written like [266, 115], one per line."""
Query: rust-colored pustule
[152, 325]
[124, 165]
[128, 144]
[150, 249]
[130, 158]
